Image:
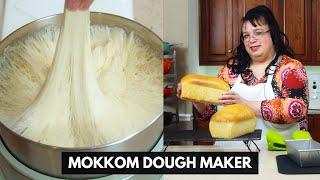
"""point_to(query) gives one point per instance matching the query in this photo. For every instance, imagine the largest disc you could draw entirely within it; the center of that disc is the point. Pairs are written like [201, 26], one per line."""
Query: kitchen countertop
[267, 165]
[267, 160]
[313, 111]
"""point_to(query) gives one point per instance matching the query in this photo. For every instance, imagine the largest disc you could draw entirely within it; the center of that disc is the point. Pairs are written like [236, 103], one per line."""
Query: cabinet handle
[319, 51]
[229, 51]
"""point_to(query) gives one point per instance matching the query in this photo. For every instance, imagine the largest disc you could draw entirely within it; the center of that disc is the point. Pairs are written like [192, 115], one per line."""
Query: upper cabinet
[297, 25]
[315, 32]
[216, 31]
[220, 26]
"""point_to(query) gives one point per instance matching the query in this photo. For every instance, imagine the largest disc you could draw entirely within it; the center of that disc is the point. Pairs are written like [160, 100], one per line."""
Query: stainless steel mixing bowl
[47, 159]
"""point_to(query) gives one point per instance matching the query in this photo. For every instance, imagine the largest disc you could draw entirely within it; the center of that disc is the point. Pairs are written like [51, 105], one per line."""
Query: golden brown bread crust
[205, 89]
[207, 81]
[233, 113]
[232, 121]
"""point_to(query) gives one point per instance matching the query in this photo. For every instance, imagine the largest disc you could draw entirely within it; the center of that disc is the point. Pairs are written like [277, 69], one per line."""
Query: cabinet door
[295, 20]
[275, 5]
[245, 5]
[297, 27]
[314, 126]
[249, 4]
[216, 33]
[220, 27]
[316, 32]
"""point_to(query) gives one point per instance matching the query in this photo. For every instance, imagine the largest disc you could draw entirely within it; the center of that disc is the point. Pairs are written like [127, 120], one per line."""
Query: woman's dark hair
[240, 61]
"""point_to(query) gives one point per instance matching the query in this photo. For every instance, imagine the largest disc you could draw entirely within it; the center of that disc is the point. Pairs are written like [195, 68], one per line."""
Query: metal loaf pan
[305, 153]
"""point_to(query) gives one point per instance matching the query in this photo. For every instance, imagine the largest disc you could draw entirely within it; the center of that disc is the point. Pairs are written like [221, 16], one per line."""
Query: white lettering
[133, 163]
[246, 162]
[119, 162]
[155, 164]
[205, 163]
[107, 162]
[180, 162]
[97, 162]
[192, 162]
[238, 162]
[74, 163]
[83, 162]
[227, 162]
[218, 162]
[147, 162]
[170, 164]
[120, 165]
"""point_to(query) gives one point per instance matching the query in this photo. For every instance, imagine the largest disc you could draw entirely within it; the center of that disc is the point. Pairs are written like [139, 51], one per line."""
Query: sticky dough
[91, 93]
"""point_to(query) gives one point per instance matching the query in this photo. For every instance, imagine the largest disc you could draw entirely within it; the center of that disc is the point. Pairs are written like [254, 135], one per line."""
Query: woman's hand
[231, 97]
[179, 90]
[82, 5]
[201, 107]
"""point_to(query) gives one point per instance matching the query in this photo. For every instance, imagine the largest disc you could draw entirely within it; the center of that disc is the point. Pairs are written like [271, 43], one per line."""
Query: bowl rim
[82, 148]
[91, 13]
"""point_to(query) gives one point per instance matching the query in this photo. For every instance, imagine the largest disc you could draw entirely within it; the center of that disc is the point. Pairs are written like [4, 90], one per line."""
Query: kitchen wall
[175, 27]
[150, 14]
[1, 16]
[182, 27]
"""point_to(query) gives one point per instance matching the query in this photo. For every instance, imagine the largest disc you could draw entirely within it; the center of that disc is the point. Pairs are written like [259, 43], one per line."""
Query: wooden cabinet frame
[220, 26]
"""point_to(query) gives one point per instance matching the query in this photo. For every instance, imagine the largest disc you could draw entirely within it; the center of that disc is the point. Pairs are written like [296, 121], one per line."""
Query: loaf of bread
[232, 121]
[205, 89]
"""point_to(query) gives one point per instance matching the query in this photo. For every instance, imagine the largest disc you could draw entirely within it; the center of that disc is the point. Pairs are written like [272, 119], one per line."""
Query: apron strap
[270, 76]
[271, 73]
[239, 79]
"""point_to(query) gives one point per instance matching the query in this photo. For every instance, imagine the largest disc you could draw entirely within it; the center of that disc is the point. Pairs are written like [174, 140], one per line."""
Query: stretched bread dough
[88, 99]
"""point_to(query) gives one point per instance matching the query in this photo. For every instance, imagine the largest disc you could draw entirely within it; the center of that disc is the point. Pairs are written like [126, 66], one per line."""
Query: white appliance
[314, 88]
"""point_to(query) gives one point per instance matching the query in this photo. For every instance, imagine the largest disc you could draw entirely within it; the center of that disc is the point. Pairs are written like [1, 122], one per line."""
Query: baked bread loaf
[205, 89]
[232, 121]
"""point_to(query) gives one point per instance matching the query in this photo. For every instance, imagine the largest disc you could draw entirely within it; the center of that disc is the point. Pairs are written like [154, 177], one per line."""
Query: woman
[264, 76]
